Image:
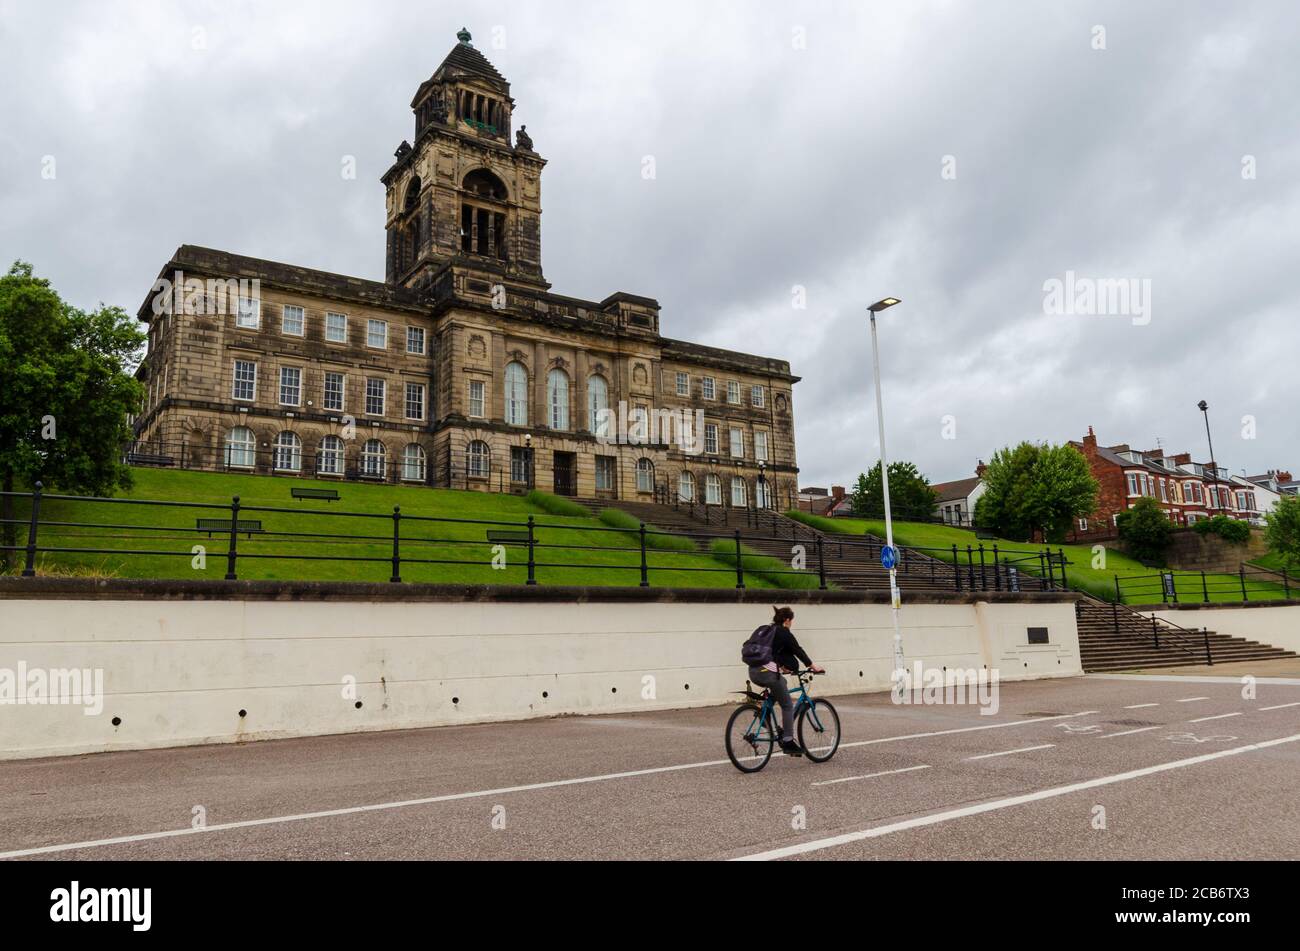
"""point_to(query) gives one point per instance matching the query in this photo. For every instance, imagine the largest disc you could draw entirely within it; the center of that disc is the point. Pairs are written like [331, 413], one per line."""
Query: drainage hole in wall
[688, 686]
[613, 690]
[455, 699]
[242, 714]
[358, 704]
[545, 694]
[117, 721]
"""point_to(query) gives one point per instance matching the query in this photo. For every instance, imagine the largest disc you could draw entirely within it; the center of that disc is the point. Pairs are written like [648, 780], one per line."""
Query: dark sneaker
[791, 748]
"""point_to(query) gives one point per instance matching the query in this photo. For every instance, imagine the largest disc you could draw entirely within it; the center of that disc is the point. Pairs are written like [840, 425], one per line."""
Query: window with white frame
[739, 493]
[557, 398]
[374, 456]
[683, 384]
[415, 340]
[336, 328]
[598, 421]
[645, 475]
[377, 334]
[335, 384]
[413, 462]
[1083, 524]
[516, 394]
[686, 487]
[415, 401]
[605, 469]
[711, 438]
[329, 457]
[248, 313]
[706, 388]
[288, 452]
[1164, 494]
[757, 396]
[760, 446]
[1134, 484]
[477, 458]
[733, 391]
[477, 389]
[376, 390]
[712, 489]
[737, 443]
[291, 321]
[241, 447]
[290, 386]
[245, 380]
[762, 494]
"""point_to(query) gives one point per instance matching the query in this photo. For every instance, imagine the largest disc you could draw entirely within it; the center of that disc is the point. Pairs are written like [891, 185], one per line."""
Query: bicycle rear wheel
[819, 730]
[749, 743]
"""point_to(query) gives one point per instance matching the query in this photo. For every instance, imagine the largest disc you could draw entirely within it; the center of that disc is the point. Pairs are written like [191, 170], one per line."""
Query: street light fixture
[894, 598]
[1204, 407]
[528, 459]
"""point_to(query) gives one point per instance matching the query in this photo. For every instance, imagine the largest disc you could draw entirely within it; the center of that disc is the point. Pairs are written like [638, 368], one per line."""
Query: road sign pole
[894, 600]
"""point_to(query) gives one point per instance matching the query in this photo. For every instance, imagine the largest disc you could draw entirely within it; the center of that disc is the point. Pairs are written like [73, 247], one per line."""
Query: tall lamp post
[762, 485]
[894, 599]
[528, 459]
[1204, 407]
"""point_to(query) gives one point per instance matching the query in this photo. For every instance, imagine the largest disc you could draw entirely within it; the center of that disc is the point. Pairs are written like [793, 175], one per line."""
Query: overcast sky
[956, 155]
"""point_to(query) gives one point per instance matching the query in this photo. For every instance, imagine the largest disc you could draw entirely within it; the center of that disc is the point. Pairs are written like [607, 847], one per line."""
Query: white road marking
[1139, 706]
[453, 797]
[1141, 729]
[997, 804]
[1221, 716]
[1281, 706]
[1023, 749]
[888, 772]
[1191, 699]
[1177, 679]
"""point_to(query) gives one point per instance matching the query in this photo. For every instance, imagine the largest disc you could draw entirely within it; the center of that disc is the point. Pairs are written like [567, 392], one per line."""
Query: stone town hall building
[461, 368]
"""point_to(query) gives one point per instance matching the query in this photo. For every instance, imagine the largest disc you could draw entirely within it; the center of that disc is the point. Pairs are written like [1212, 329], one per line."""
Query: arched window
[557, 398]
[482, 220]
[413, 460]
[645, 475]
[288, 451]
[241, 447]
[712, 490]
[477, 458]
[686, 487]
[597, 401]
[516, 394]
[763, 494]
[738, 492]
[373, 456]
[329, 458]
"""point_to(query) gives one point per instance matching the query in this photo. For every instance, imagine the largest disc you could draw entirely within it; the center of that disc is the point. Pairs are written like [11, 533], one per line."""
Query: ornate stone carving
[523, 140]
[477, 347]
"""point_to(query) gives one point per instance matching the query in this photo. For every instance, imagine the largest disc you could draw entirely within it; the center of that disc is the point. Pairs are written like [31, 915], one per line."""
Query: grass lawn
[316, 533]
[1079, 572]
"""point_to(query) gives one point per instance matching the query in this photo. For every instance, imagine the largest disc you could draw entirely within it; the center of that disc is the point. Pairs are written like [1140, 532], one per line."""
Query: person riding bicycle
[785, 656]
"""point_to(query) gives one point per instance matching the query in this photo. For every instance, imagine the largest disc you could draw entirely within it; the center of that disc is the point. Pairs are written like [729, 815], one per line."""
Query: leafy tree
[1282, 530]
[1036, 488]
[910, 495]
[1229, 529]
[1146, 529]
[65, 390]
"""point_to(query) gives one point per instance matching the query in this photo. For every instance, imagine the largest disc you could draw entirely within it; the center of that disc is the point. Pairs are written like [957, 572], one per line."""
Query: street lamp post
[894, 598]
[528, 459]
[762, 485]
[1204, 407]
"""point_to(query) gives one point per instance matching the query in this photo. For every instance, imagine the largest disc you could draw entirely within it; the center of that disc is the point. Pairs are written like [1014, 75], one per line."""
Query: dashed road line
[888, 772]
[1141, 729]
[1220, 716]
[1191, 699]
[1139, 706]
[1281, 706]
[1023, 749]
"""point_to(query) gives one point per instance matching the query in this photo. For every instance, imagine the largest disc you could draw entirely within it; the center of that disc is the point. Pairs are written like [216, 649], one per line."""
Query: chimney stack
[837, 492]
[980, 468]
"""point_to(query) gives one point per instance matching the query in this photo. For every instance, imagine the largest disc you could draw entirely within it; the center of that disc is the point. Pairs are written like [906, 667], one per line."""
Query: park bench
[328, 495]
[244, 526]
[149, 459]
[507, 538]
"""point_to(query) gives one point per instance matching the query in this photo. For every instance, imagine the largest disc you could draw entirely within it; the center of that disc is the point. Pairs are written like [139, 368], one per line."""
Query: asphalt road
[1086, 768]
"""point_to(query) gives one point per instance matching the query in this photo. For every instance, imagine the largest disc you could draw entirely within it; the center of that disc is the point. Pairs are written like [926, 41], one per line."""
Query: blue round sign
[888, 556]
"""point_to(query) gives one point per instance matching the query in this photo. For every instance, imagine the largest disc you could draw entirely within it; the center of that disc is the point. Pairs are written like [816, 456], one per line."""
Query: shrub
[556, 505]
[1282, 531]
[1146, 530]
[1229, 529]
[765, 566]
[654, 537]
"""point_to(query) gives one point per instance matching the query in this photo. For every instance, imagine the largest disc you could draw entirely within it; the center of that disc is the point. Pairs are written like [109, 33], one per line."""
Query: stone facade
[462, 351]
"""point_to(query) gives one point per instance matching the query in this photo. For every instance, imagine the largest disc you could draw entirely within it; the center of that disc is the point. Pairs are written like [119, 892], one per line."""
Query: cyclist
[786, 654]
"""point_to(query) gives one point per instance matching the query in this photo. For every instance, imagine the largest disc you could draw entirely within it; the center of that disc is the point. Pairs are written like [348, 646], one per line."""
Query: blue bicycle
[752, 730]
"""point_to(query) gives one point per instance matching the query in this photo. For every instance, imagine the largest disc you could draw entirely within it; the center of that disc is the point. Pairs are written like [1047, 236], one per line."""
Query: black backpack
[757, 651]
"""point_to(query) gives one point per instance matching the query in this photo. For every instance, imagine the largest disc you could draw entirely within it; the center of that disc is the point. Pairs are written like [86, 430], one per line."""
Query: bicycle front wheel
[749, 742]
[819, 730]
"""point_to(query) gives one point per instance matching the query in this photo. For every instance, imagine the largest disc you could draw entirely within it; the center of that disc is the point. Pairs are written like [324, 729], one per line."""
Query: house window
[762, 494]
[334, 385]
[249, 313]
[373, 455]
[760, 446]
[292, 320]
[683, 384]
[1164, 494]
[711, 437]
[241, 448]
[290, 386]
[415, 340]
[557, 398]
[245, 380]
[519, 464]
[477, 456]
[516, 394]
[476, 391]
[733, 391]
[712, 490]
[377, 334]
[413, 462]
[738, 492]
[686, 487]
[645, 475]
[329, 458]
[605, 473]
[375, 393]
[1083, 524]
[1114, 519]
[1134, 484]
[597, 406]
[336, 328]
[288, 452]
[737, 443]
[415, 401]
[756, 396]
[706, 388]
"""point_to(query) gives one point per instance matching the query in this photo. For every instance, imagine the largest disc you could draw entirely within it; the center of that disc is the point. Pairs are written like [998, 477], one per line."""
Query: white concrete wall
[178, 672]
[1276, 625]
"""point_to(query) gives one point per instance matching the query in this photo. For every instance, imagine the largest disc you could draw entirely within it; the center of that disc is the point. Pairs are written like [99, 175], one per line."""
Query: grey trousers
[781, 693]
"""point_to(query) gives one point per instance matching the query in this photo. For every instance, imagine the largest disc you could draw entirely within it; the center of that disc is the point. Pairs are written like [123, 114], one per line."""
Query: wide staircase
[1114, 637]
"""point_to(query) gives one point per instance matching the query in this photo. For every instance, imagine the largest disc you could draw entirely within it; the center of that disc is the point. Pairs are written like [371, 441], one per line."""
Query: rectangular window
[415, 340]
[706, 388]
[605, 473]
[476, 390]
[737, 443]
[334, 383]
[711, 437]
[1134, 484]
[683, 384]
[760, 447]
[415, 401]
[377, 334]
[518, 464]
[249, 313]
[375, 391]
[245, 380]
[1164, 496]
[733, 391]
[292, 320]
[1083, 524]
[290, 386]
[756, 396]
[336, 328]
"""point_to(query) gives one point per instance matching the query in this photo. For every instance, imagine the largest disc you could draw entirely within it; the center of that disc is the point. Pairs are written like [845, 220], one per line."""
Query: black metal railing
[1182, 587]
